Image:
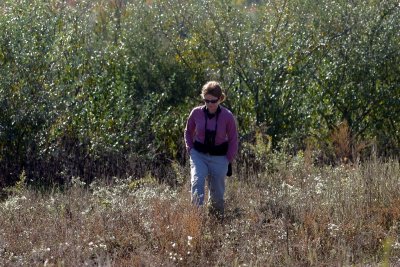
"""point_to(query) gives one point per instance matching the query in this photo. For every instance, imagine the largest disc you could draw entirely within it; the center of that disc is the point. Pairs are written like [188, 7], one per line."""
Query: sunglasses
[211, 101]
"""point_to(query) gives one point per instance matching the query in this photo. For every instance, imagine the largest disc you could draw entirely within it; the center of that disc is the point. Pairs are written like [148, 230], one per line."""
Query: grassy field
[298, 214]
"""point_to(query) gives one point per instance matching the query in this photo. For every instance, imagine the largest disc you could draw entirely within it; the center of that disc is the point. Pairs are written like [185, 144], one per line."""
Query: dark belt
[218, 150]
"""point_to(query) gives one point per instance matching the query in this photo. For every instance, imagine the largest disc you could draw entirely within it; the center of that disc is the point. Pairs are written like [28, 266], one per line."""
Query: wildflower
[396, 245]
[333, 229]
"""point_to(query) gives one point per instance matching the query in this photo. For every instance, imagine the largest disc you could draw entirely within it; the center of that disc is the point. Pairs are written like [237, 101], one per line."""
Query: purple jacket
[226, 130]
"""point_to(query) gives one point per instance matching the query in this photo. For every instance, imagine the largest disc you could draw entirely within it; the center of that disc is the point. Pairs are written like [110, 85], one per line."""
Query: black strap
[219, 150]
[216, 122]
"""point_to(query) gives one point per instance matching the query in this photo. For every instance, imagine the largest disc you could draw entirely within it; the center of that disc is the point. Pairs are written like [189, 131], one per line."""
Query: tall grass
[295, 215]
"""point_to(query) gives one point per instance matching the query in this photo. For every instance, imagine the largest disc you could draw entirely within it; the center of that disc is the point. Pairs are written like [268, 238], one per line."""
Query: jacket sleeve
[232, 133]
[189, 132]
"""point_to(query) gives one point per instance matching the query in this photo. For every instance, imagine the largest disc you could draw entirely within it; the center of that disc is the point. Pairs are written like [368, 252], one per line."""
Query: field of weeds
[296, 215]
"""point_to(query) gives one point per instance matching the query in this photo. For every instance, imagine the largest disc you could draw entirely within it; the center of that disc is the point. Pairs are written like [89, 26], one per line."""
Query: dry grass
[298, 215]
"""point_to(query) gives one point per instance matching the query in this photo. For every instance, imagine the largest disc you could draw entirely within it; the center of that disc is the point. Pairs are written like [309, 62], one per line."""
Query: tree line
[104, 87]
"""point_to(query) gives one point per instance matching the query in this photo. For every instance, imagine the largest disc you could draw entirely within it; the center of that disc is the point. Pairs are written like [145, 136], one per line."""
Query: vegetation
[95, 87]
[94, 97]
[298, 215]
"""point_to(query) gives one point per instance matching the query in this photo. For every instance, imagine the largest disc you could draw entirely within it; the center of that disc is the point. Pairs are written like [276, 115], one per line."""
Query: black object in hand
[229, 173]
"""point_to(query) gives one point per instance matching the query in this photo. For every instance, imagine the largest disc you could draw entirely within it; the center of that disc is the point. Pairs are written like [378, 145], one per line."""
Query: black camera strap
[216, 123]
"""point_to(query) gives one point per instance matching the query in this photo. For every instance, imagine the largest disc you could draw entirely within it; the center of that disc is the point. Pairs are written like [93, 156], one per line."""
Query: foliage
[300, 215]
[89, 87]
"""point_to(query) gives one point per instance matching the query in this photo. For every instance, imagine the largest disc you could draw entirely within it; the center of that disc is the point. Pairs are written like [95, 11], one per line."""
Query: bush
[88, 87]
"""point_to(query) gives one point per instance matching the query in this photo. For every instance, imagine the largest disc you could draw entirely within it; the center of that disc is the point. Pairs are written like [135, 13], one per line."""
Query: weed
[298, 215]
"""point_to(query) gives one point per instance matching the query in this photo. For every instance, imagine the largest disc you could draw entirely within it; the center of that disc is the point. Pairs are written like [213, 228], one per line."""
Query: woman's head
[213, 88]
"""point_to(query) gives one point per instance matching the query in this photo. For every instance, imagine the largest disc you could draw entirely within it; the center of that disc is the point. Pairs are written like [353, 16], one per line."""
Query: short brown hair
[213, 88]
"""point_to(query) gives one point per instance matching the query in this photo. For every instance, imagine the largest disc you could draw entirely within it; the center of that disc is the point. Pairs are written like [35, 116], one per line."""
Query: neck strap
[216, 118]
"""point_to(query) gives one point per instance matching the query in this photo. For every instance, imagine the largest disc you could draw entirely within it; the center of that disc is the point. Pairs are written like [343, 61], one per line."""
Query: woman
[211, 139]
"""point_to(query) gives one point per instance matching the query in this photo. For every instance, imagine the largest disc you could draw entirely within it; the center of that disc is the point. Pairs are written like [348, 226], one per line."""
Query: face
[211, 102]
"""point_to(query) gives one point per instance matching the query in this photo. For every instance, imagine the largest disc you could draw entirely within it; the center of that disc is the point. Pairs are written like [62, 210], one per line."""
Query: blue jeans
[215, 167]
